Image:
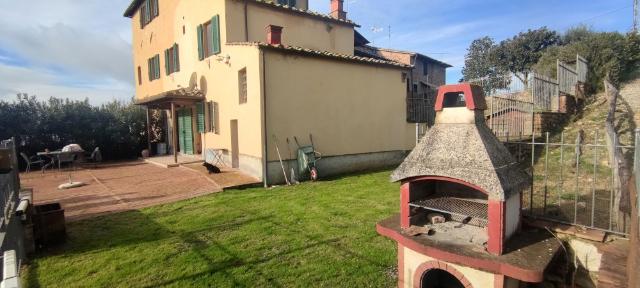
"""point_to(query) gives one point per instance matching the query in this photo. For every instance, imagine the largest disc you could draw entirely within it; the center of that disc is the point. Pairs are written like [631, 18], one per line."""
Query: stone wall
[548, 121]
[569, 104]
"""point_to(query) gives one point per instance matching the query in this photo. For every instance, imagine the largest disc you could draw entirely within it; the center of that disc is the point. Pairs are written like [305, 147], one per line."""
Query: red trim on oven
[492, 266]
[405, 210]
[426, 266]
[496, 227]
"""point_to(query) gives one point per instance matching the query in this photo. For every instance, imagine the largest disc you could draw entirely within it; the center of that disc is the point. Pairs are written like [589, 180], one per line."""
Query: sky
[81, 49]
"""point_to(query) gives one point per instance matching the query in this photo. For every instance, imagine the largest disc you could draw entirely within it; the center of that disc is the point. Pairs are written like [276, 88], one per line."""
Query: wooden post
[174, 128]
[149, 130]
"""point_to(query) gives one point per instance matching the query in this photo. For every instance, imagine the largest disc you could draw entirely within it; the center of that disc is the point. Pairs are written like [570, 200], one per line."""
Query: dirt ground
[117, 187]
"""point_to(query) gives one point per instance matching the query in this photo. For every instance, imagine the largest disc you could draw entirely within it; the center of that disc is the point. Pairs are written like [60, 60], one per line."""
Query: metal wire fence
[573, 179]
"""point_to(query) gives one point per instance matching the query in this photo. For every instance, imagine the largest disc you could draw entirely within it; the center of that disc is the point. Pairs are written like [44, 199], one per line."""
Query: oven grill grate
[455, 206]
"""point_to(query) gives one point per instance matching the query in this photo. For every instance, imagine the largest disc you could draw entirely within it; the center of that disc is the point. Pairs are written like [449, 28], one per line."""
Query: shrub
[118, 128]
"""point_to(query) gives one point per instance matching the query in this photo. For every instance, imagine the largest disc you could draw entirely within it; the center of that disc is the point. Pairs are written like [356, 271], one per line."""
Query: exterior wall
[349, 108]
[413, 260]
[335, 165]
[512, 216]
[299, 30]
[436, 74]
[218, 80]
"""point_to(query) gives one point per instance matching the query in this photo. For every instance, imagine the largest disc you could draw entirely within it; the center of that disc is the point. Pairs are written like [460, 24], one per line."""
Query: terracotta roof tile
[304, 12]
[327, 54]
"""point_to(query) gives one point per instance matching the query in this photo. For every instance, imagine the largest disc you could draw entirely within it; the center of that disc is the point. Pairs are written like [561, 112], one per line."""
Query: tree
[479, 65]
[518, 54]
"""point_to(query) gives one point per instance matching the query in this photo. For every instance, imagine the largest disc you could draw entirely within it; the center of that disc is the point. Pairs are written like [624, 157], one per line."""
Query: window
[425, 68]
[148, 11]
[172, 59]
[154, 67]
[290, 3]
[200, 121]
[453, 99]
[209, 38]
[139, 75]
[242, 85]
[212, 117]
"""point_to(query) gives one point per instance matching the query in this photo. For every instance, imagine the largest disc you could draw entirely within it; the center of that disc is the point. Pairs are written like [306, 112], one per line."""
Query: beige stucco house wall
[355, 108]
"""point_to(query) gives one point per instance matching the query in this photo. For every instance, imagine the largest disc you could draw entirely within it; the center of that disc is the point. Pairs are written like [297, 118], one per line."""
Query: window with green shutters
[148, 11]
[212, 117]
[171, 59]
[209, 38]
[153, 64]
[200, 117]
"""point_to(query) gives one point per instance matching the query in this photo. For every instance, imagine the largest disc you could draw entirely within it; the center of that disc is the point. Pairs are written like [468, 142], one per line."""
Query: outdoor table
[55, 155]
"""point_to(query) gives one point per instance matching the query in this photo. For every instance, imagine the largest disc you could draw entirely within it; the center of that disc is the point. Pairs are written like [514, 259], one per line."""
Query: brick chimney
[337, 9]
[274, 34]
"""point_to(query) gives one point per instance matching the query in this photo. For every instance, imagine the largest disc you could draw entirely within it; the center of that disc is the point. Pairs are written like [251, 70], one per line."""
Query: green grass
[314, 234]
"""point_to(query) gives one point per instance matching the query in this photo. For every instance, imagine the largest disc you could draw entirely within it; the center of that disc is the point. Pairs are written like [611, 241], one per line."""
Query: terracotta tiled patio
[125, 186]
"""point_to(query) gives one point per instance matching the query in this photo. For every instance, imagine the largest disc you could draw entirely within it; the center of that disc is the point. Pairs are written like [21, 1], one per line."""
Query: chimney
[274, 34]
[337, 9]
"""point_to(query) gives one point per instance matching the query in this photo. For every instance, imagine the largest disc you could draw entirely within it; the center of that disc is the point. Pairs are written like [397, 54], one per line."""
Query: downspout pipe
[264, 120]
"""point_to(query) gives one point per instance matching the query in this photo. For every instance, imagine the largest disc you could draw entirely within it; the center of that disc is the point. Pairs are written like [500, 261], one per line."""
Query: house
[241, 78]
[427, 74]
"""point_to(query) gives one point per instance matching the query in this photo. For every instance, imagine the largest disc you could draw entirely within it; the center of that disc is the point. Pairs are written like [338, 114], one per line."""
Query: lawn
[313, 234]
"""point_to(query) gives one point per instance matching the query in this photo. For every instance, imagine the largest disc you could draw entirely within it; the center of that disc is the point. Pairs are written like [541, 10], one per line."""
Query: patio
[125, 186]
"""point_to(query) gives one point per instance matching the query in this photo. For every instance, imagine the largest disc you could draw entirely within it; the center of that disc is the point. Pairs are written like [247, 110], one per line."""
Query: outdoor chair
[67, 157]
[95, 157]
[33, 160]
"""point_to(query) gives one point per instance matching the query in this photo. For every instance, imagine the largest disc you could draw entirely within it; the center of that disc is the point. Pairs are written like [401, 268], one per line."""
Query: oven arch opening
[437, 278]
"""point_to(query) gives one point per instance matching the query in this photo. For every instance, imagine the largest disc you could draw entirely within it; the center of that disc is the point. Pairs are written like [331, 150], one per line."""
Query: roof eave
[131, 9]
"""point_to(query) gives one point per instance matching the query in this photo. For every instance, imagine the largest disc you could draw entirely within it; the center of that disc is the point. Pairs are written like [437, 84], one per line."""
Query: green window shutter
[147, 13]
[200, 117]
[215, 34]
[200, 48]
[156, 66]
[154, 3]
[149, 69]
[166, 61]
[176, 58]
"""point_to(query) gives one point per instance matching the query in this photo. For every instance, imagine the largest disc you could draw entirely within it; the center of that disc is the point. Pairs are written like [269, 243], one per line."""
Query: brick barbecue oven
[460, 198]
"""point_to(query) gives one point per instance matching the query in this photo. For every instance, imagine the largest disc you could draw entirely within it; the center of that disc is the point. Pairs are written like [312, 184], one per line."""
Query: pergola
[168, 101]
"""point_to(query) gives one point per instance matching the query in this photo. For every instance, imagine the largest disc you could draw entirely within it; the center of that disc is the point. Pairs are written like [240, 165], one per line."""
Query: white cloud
[45, 84]
[66, 48]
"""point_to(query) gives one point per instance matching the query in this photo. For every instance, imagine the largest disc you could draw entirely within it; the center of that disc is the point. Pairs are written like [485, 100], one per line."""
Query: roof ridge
[307, 12]
[324, 53]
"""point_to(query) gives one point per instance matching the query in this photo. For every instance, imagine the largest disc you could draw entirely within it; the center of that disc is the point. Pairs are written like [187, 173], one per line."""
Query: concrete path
[116, 188]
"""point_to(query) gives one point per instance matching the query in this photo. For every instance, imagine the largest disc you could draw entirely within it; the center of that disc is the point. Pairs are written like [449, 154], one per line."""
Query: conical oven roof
[465, 150]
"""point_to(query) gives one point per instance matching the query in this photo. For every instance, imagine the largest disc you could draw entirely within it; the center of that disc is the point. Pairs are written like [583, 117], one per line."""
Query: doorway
[235, 153]
[185, 131]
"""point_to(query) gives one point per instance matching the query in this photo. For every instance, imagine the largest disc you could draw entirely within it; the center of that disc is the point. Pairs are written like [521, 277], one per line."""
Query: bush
[118, 128]
[608, 53]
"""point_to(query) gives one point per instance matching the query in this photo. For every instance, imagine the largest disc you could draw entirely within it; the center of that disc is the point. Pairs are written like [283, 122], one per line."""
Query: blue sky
[82, 48]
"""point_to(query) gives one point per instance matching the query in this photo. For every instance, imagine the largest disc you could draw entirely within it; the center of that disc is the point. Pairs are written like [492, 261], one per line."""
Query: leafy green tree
[480, 65]
[518, 54]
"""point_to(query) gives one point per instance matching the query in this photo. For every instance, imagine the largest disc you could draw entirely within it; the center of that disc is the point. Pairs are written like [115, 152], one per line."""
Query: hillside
[558, 178]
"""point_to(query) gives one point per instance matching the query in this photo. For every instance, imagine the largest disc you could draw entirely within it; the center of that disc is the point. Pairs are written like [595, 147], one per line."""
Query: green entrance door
[185, 131]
